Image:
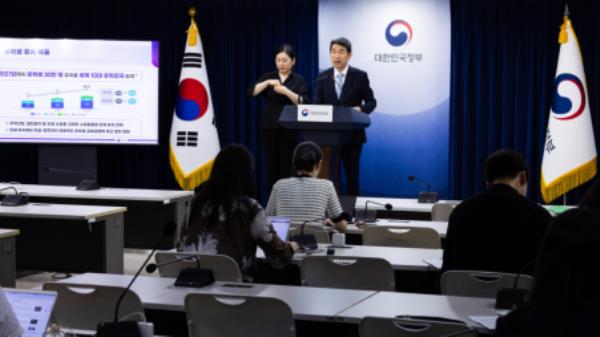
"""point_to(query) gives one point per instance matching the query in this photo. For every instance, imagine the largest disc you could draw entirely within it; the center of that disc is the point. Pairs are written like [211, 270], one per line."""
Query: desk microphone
[87, 184]
[309, 241]
[507, 298]
[366, 217]
[151, 267]
[387, 206]
[17, 199]
[306, 241]
[116, 328]
[425, 197]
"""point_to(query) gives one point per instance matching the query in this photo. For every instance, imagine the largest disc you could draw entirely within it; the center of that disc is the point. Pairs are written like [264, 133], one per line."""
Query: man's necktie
[339, 83]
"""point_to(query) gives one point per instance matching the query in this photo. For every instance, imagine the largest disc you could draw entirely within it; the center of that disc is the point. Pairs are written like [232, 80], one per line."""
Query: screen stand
[67, 165]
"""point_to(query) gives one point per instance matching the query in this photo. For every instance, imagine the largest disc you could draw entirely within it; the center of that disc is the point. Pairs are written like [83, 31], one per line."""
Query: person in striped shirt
[305, 197]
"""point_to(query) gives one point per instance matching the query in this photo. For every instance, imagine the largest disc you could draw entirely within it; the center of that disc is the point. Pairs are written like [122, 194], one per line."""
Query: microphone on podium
[319, 79]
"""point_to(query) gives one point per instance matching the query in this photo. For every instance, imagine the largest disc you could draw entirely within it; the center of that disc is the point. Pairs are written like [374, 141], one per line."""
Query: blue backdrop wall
[503, 59]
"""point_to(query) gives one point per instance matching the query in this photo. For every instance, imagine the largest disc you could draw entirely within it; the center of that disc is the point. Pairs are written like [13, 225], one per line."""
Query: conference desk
[401, 259]
[402, 208]
[439, 226]
[307, 303]
[390, 305]
[147, 210]
[159, 293]
[67, 238]
[8, 272]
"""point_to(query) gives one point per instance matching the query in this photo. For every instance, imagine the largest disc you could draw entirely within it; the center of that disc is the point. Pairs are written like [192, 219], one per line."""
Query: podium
[330, 135]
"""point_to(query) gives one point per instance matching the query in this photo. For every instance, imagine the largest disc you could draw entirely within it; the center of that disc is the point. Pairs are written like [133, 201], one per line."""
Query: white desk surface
[399, 258]
[398, 204]
[307, 303]
[411, 205]
[107, 193]
[7, 233]
[391, 304]
[439, 226]
[60, 211]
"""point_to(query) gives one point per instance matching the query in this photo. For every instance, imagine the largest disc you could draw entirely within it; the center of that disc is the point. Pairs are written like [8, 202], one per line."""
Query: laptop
[281, 225]
[32, 308]
[348, 203]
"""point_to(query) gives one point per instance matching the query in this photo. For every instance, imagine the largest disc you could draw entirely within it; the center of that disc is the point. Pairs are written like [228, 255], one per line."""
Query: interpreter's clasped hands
[280, 88]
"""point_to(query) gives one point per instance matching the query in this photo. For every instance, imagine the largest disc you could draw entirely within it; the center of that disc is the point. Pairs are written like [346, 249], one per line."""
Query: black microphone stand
[306, 241]
[130, 329]
[425, 197]
[151, 267]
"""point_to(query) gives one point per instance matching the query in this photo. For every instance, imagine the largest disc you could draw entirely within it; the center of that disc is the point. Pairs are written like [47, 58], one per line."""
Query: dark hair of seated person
[306, 156]
[504, 164]
[567, 273]
[230, 183]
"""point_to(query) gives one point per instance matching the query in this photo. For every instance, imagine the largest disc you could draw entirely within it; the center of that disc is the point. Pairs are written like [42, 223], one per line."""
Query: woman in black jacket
[280, 88]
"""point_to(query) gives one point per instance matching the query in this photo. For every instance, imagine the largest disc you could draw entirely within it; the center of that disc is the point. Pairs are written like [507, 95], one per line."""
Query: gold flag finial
[563, 37]
[192, 37]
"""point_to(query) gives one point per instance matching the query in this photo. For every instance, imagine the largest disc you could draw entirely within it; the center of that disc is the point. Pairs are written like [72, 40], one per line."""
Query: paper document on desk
[488, 322]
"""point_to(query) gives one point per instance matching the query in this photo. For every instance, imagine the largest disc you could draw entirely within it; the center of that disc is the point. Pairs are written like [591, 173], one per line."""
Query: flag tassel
[194, 178]
[568, 181]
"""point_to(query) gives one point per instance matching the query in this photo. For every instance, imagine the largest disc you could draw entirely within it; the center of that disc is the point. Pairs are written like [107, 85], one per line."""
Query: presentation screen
[78, 91]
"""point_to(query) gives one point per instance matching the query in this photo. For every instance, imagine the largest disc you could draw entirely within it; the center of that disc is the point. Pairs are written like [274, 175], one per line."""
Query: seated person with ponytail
[306, 197]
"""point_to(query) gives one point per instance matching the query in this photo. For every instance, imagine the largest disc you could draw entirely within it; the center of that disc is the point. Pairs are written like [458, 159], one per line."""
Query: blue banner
[404, 45]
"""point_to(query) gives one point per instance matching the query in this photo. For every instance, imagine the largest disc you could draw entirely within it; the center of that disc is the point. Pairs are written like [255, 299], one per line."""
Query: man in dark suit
[347, 86]
[500, 229]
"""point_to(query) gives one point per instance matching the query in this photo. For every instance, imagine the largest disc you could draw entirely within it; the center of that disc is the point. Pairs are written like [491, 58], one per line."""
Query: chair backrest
[366, 273]
[409, 327]
[394, 236]
[442, 211]
[84, 306]
[480, 283]
[320, 232]
[224, 268]
[238, 316]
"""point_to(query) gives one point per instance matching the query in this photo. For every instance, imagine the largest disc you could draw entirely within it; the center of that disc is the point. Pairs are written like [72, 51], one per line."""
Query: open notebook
[32, 308]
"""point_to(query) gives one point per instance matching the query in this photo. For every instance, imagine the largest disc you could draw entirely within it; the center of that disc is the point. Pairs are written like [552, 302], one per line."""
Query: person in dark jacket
[565, 299]
[343, 85]
[500, 229]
